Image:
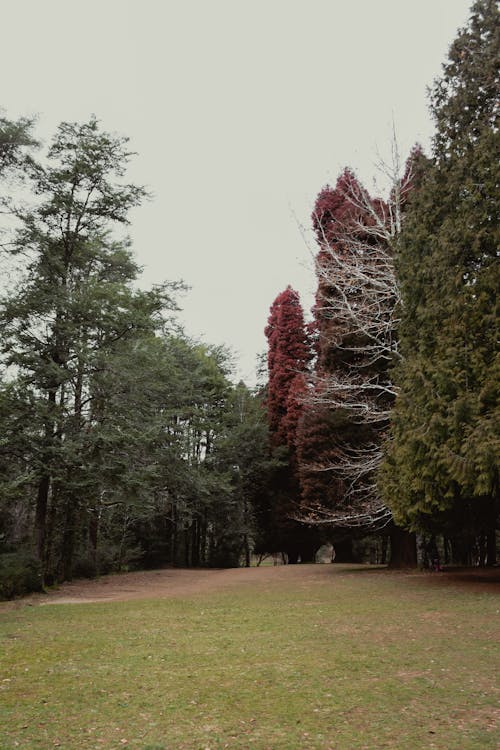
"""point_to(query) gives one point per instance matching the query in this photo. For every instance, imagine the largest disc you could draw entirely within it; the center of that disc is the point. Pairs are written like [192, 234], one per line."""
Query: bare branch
[359, 304]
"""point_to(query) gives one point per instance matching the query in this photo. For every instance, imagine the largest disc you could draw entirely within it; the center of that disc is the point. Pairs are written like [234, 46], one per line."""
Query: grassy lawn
[346, 661]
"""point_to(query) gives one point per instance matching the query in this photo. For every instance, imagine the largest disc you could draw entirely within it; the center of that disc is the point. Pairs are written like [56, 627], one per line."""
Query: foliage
[289, 353]
[110, 414]
[441, 469]
[16, 140]
[242, 453]
[350, 395]
[20, 573]
[288, 357]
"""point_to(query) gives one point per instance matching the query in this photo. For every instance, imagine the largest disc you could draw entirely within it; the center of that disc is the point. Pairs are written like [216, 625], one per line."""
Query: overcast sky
[240, 112]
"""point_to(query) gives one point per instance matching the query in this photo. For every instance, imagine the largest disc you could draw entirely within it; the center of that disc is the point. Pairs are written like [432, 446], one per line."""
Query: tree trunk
[203, 538]
[195, 544]
[491, 535]
[481, 545]
[187, 548]
[491, 547]
[447, 548]
[94, 537]
[246, 547]
[42, 502]
[383, 551]
[68, 540]
[50, 562]
[403, 548]
[42, 499]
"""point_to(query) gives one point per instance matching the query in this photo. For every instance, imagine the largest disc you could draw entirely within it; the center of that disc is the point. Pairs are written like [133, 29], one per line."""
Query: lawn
[345, 659]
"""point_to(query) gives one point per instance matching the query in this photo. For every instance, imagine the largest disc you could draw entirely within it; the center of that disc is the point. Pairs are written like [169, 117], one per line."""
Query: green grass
[372, 660]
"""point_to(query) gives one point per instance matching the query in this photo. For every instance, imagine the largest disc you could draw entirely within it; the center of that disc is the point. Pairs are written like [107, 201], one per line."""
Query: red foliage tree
[289, 353]
[341, 431]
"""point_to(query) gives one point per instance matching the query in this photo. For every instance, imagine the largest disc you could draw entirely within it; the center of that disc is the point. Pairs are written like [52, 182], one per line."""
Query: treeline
[123, 442]
[387, 403]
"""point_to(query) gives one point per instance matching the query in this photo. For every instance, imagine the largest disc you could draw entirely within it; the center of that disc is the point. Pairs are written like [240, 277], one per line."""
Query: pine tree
[441, 471]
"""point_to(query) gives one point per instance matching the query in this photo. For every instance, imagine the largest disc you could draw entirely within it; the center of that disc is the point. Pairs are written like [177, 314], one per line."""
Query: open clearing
[272, 658]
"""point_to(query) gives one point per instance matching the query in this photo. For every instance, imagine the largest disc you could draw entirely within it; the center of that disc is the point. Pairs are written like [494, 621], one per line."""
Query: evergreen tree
[16, 140]
[289, 353]
[441, 470]
[242, 454]
[72, 304]
[123, 442]
[288, 356]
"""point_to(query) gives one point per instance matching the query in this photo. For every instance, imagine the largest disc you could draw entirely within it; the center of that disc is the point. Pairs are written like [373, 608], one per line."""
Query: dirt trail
[178, 582]
[173, 582]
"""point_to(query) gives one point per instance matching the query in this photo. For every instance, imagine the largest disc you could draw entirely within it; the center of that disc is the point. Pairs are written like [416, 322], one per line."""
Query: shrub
[20, 573]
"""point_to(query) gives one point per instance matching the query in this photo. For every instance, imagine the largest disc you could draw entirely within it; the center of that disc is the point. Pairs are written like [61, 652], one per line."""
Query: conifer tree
[288, 356]
[289, 353]
[71, 306]
[441, 472]
[121, 443]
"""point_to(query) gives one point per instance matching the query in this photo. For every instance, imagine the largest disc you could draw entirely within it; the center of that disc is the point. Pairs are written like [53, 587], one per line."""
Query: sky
[240, 112]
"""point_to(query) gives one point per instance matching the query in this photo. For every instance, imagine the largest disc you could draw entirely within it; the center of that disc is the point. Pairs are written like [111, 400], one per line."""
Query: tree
[123, 441]
[356, 318]
[16, 143]
[166, 452]
[15, 140]
[441, 468]
[289, 353]
[242, 454]
[73, 303]
[288, 356]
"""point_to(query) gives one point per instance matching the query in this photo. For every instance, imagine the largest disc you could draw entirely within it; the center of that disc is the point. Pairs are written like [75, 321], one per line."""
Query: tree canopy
[441, 470]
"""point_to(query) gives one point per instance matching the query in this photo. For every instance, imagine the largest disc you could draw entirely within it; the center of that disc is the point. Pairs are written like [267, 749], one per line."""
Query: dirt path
[173, 582]
[177, 582]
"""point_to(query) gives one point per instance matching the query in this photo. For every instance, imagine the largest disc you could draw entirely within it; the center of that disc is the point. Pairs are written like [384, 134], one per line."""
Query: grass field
[343, 659]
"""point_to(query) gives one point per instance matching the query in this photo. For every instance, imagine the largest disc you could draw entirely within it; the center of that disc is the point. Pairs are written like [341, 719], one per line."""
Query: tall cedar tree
[441, 471]
[289, 353]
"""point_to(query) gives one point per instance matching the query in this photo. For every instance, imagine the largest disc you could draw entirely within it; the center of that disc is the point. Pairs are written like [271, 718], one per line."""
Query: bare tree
[359, 298]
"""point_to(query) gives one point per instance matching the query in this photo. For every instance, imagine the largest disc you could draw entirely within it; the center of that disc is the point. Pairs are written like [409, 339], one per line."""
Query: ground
[299, 657]
[175, 582]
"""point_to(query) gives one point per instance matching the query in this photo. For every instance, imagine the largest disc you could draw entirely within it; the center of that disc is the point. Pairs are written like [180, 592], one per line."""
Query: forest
[125, 443]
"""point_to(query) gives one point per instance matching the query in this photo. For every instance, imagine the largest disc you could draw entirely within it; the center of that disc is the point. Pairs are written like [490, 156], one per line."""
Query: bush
[226, 554]
[20, 573]
[84, 567]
